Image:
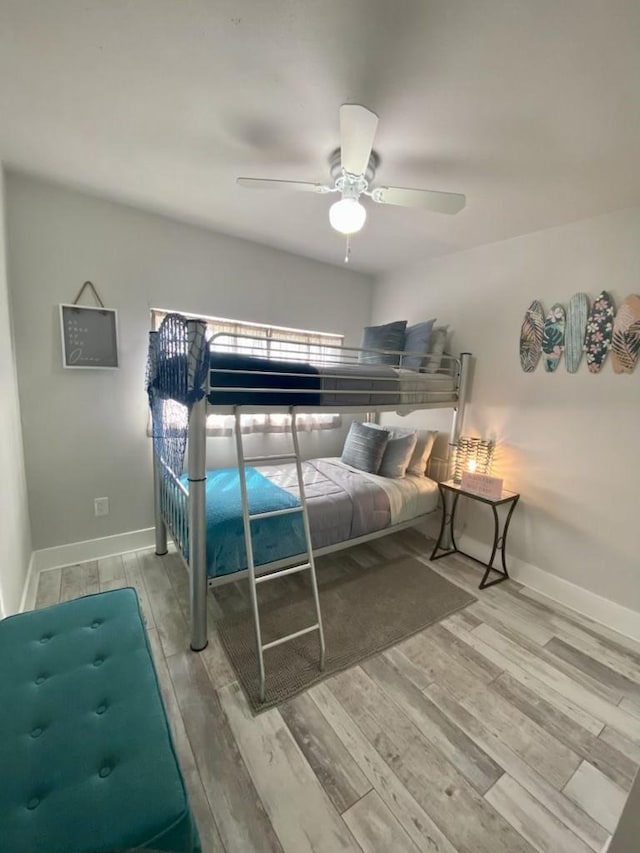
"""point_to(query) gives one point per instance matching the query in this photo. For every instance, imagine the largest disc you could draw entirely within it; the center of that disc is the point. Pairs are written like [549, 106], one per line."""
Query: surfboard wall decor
[553, 337]
[574, 331]
[625, 342]
[597, 340]
[531, 337]
[593, 331]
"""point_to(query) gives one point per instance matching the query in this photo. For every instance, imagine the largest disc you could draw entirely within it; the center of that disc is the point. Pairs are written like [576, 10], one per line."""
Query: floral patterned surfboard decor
[625, 343]
[597, 341]
[574, 331]
[553, 338]
[531, 337]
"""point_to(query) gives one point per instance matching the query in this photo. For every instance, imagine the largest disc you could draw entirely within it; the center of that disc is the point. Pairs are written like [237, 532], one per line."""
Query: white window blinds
[268, 341]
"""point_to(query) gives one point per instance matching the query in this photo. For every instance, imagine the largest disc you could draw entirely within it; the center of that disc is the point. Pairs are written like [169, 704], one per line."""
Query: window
[277, 341]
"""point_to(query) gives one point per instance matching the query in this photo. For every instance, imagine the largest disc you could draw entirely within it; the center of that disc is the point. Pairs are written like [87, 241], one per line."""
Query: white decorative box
[482, 484]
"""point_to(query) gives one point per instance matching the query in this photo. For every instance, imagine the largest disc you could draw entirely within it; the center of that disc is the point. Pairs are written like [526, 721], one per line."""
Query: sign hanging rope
[90, 285]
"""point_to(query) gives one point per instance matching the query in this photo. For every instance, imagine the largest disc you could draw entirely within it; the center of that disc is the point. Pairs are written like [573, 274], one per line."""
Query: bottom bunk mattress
[343, 504]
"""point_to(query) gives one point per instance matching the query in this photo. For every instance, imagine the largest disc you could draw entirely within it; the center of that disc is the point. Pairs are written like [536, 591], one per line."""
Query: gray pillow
[397, 455]
[400, 450]
[416, 342]
[390, 336]
[364, 447]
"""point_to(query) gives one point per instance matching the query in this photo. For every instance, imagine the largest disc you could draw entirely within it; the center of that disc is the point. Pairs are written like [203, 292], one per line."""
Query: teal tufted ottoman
[86, 758]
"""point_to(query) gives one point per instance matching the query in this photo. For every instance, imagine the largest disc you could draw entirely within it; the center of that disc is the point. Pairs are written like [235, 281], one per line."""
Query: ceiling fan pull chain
[348, 251]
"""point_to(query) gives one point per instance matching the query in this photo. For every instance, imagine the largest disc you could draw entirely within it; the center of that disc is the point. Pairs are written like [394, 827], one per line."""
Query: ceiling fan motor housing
[336, 171]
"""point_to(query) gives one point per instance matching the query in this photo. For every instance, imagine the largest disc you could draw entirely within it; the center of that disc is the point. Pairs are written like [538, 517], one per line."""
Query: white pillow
[437, 343]
[425, 439]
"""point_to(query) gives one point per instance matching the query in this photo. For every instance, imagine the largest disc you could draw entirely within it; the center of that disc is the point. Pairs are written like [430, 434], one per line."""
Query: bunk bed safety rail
[247, 370]
[282, 349]
[174, 506]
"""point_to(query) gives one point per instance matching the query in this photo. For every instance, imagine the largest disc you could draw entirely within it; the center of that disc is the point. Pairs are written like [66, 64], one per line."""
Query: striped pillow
[364, 447]
[387, 337]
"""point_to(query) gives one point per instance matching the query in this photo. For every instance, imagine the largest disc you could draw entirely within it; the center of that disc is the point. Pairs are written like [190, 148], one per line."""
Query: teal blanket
[273, 538]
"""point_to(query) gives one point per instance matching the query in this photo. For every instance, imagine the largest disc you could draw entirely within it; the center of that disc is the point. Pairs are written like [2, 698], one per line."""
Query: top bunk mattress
[241, 380]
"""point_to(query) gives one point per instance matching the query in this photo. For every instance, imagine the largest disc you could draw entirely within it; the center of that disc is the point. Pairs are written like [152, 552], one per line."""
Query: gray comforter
[359, 385]
[342, 504]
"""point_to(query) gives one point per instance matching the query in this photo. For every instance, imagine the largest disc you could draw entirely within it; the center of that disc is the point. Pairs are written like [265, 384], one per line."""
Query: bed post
[458, 412]
[152, 376]
[161, 527]
[197, 447]
[456, 430]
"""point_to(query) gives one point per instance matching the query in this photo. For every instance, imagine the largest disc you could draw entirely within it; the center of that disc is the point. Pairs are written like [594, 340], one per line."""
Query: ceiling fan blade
[357, 132]
[428, 199]
[272, 184]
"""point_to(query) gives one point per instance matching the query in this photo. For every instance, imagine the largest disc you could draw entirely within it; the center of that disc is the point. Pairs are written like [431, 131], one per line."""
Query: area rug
[362, 615]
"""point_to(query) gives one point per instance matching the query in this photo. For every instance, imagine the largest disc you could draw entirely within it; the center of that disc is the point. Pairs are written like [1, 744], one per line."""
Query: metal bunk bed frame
[181, 510]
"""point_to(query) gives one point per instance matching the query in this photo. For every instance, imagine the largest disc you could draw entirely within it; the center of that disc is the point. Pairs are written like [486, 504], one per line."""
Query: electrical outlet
[101, 506]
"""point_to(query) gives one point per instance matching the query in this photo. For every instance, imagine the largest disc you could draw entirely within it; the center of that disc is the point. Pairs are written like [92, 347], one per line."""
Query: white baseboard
[602, 610]
[28, 600]
[91, 549]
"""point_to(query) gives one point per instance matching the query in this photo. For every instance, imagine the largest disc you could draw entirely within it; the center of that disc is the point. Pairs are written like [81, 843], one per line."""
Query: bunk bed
[230, 374]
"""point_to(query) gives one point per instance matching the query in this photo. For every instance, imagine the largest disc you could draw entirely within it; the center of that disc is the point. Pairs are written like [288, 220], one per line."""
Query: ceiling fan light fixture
[347, 215]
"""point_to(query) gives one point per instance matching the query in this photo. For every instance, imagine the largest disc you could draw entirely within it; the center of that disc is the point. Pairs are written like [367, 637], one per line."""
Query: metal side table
[450, 492]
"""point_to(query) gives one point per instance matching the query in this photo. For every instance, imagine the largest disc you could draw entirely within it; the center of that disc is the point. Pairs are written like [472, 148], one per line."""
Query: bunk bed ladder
[308, 563]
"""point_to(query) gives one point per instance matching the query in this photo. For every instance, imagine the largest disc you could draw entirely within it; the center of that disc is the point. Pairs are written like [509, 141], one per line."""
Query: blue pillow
[416, 342]
[389, 336]
[364, 447]
[397, 454]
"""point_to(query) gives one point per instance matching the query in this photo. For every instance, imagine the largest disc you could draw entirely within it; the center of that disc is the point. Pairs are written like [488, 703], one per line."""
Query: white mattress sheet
[409, 497]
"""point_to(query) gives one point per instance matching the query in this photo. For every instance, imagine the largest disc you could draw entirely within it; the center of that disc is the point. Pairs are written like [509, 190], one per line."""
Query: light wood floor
[511, 726]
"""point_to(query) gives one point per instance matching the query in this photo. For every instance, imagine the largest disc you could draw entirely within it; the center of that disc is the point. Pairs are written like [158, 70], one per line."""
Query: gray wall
[84, 431]
[626, 838]
[568, 443]
[15, 542]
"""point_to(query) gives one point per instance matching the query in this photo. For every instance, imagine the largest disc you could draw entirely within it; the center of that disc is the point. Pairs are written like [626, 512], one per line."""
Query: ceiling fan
[352, 167]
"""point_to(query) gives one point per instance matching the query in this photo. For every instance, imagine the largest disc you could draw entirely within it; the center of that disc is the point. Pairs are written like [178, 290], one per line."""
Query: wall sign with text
[89, 336]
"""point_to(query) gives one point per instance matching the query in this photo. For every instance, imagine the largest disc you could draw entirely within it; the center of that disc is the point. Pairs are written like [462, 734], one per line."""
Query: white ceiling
[530, 107]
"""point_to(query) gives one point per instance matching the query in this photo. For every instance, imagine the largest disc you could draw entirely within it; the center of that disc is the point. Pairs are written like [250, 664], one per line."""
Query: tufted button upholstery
[81, 778]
